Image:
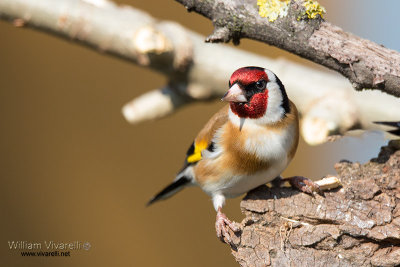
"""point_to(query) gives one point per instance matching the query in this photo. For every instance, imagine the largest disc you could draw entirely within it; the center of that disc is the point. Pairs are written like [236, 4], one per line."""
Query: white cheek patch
[271, 75]
[275, 111]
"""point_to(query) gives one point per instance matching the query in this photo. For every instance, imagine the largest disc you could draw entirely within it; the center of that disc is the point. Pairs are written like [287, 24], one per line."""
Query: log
[355, 225]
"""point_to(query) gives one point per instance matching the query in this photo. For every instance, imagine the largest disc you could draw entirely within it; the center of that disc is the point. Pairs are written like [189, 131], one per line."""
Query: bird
[395, 124]
[246, 144]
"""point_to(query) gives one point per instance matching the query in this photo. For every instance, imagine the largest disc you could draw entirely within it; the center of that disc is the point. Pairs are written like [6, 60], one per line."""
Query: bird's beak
[235, 94]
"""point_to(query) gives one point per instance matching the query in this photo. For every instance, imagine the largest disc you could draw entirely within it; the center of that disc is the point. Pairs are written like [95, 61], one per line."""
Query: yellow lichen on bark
[272, 9]
[313, 9]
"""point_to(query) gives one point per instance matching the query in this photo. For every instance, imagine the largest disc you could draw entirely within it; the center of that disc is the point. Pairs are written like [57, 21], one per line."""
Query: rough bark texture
[356, 225]
[364, 63]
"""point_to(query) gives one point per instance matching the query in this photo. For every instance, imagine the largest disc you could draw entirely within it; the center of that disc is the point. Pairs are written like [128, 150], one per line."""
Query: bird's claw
[222, 226]
[304, 184]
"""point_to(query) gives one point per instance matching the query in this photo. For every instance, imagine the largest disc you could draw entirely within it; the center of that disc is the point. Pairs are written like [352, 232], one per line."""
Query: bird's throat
[254, 109]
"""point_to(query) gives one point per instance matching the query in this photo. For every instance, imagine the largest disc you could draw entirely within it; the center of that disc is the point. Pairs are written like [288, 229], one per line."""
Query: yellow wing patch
[196, 156]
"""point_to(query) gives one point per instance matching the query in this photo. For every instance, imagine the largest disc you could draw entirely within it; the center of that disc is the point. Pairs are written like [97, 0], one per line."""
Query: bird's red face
[248, 95]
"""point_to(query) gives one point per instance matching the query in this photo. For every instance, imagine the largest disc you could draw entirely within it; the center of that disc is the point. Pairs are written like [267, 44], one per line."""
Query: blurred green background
[72, 169]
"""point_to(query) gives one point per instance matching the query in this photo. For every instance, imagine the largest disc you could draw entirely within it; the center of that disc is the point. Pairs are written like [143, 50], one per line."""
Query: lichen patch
[313, 9]
[272, 9]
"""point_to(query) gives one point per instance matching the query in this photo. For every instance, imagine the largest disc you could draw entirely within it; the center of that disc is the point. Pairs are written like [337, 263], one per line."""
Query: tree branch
[197, 71]
[357, 225]
[366, 64]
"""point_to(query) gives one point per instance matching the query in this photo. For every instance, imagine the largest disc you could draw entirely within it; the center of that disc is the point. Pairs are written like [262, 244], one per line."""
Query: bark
[365, 63]
[356, 225]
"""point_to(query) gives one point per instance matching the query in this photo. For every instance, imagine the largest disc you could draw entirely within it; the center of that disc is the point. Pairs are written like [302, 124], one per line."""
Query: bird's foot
[222, 226]
[303, 184]
[277, 182]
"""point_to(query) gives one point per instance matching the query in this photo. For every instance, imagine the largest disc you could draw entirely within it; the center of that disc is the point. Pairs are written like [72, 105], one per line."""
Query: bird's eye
[260, 85]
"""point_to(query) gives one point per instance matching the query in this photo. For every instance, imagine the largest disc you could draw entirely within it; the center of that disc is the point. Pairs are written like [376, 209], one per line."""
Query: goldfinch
[246, 144]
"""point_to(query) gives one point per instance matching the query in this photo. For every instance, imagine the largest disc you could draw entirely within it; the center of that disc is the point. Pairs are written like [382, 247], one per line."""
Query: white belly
[239, 185]
[233, 185]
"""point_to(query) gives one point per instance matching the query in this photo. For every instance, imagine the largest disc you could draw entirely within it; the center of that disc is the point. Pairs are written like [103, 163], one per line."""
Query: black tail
[393, 124]
[171, 189]
[395, 132]
[389, 123]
